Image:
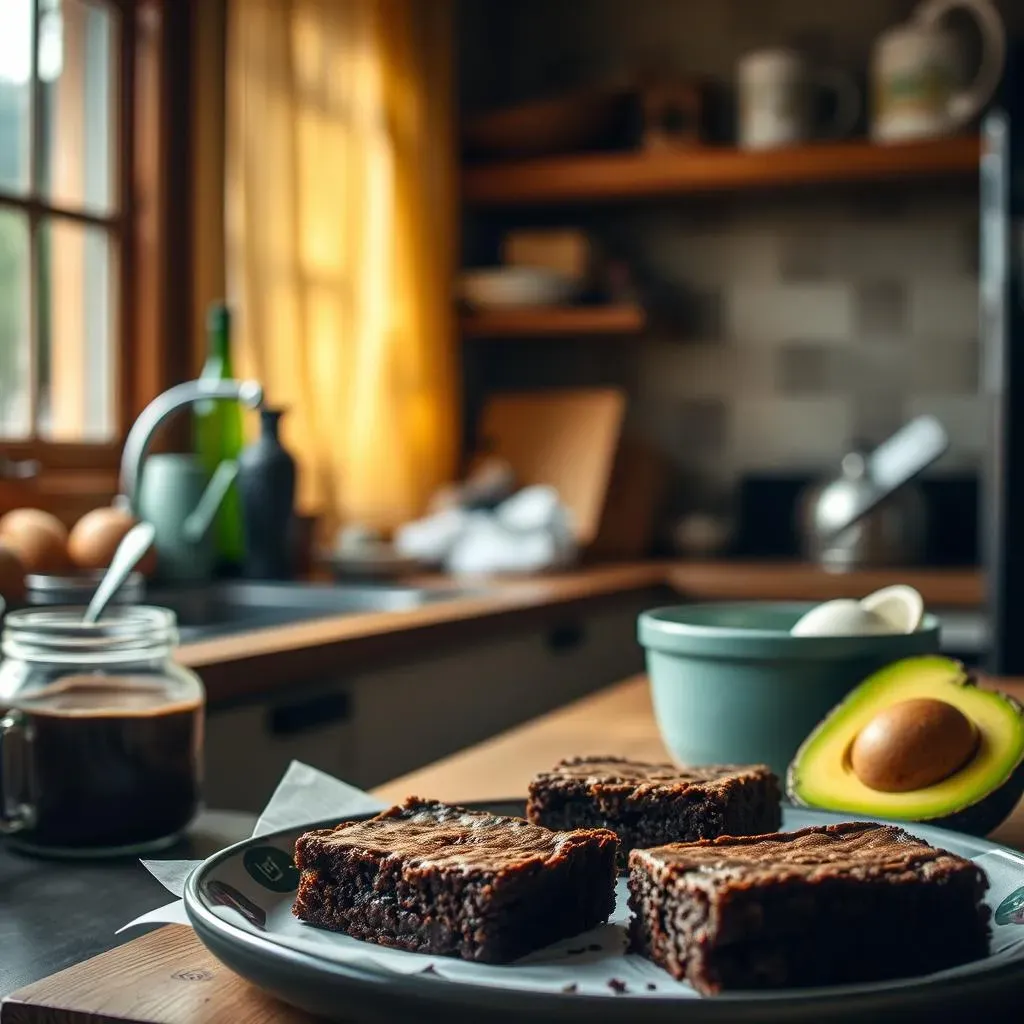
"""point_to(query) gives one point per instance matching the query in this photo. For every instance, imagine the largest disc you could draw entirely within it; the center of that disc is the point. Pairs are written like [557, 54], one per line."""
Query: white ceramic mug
[917, 68]
[776, 99]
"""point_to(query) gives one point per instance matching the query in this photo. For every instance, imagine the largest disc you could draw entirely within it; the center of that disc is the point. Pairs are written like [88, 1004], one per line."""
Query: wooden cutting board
[564, 438]
[164, 977]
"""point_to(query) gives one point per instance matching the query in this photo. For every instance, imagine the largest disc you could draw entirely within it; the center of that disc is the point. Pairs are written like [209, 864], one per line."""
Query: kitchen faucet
[248, 392]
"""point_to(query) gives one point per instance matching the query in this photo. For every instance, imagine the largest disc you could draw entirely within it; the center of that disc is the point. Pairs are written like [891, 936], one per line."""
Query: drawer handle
[565, 638]
[291, 719]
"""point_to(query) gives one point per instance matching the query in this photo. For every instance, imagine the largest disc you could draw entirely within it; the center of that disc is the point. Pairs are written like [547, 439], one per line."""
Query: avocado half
[974, 799]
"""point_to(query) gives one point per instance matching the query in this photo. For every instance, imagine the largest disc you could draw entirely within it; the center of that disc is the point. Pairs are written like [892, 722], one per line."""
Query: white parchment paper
[594, 963]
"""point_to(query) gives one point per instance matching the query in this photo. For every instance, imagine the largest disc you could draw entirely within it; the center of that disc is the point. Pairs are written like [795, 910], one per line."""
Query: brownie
[431, 878]
[654, 804]
[828, 905]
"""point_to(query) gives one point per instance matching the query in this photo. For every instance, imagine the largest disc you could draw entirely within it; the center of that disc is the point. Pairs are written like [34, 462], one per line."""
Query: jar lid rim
[67, 620]
[58, 632]
[69, 580]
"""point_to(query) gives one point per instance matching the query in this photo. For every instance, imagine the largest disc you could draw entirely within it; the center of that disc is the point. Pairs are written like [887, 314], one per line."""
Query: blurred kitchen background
[782, 325]
[621, 298]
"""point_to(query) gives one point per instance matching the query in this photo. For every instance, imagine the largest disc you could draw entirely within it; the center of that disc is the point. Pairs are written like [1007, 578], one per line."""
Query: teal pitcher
[181, 501]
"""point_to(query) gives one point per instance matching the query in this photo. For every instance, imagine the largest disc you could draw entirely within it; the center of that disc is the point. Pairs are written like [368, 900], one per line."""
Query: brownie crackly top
[429, 834]
[852, 850]
[641, 776]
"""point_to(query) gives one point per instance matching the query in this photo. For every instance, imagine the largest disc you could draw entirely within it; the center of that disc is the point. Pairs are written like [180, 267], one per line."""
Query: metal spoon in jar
[134, 544]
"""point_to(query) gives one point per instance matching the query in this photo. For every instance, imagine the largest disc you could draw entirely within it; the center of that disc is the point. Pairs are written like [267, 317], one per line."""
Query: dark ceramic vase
[266, 482]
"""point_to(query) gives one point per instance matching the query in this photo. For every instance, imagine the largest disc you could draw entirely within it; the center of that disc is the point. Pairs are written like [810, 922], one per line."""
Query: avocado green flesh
[820, 775]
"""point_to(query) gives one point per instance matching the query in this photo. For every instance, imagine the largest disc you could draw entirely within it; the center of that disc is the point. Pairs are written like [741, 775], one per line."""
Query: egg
[38, 538]
[12, 576]
[94, 539]
[899, 605]
[842, 617]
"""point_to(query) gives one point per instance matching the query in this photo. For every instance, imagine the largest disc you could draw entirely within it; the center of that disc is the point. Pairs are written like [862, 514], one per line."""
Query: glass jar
[78, 588]
[102, 732]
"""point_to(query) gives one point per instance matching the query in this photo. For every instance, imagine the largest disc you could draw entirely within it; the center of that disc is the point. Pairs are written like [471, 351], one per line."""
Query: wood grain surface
[617, 720]
[262, 661]
[167, 977]
[553, 321]
[801, 581]
[635, 175]
[269, 660]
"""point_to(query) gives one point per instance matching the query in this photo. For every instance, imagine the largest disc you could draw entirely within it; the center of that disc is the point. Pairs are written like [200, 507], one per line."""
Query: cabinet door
[413, 714]
[249, 748]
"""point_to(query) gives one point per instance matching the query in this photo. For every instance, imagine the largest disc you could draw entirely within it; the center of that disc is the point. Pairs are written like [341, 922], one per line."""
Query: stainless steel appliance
[871, 514]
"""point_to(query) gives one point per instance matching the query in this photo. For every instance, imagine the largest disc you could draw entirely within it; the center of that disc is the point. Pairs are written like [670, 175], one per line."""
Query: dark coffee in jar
[111, 761]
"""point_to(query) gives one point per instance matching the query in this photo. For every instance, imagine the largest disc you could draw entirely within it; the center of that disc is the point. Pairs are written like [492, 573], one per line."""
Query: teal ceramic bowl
[731, 686]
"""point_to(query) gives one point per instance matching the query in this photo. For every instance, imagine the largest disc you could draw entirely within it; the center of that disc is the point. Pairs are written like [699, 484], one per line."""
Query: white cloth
[529, 532]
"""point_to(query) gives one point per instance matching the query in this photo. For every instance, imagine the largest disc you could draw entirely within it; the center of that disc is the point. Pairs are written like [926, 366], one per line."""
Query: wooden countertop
[266, 659]
[801, 581]
[262, 660]
[617, 720]
[488, 597]
[141, 980]
[694, 581]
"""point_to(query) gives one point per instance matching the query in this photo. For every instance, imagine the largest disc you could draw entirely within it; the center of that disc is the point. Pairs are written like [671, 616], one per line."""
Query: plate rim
[467, 994]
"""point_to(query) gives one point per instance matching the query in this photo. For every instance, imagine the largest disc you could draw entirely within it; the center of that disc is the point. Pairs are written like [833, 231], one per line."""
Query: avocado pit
[912, 744]
[856, 760]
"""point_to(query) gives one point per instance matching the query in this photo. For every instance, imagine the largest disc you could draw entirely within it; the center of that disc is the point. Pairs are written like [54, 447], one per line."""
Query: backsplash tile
[804, 433]
[807, 368]
[944, 366]
[876, 414]
[841, 319]
[878, 383]
[811, 316]
[696, 370]
[703, 425]
[773, 313]
[881, 307]
[944, 306]
[805, 255]
[703, 258]
[905, 250]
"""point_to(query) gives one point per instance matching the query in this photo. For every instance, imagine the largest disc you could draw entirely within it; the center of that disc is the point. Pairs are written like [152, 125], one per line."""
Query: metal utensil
[894, 463]
[871, 514]
[135, 543]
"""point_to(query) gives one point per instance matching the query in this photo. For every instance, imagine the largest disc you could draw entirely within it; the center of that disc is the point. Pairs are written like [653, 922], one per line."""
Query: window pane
[77, 84]
[76, 333]
[15, 92]
[14, 326]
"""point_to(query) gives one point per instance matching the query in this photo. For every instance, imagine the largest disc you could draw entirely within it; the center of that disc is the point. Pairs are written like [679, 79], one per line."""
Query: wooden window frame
[153, 144]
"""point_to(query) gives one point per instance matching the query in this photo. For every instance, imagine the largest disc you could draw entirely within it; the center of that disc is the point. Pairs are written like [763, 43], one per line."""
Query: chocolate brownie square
[432, 878]
[654, 804]
[828, 905]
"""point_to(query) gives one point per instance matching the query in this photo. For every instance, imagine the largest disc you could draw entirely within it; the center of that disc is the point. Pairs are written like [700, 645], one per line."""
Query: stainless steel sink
[216, 609]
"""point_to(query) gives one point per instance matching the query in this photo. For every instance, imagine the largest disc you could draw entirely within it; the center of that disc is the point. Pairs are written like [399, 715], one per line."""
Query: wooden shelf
[548, 321]
[609, 176]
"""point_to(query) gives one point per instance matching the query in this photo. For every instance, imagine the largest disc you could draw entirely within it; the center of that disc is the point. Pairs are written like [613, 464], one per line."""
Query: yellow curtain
[341, 233]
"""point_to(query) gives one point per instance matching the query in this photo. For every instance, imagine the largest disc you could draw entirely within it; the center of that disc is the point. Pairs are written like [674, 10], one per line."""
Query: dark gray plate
[346, 992]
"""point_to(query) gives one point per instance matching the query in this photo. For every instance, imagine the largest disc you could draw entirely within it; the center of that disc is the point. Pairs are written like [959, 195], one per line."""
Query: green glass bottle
[219, 436]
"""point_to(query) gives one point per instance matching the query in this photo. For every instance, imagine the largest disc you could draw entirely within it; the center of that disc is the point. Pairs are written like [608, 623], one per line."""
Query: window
[61, 221]
[94, 129]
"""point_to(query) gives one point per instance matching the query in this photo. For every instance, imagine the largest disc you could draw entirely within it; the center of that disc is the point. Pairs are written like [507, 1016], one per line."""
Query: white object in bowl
[842, 617]
[515, 288]
[901, 606]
